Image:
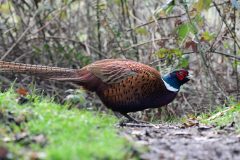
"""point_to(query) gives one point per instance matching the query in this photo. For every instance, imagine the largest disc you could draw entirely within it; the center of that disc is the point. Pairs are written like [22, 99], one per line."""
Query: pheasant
[122, 85]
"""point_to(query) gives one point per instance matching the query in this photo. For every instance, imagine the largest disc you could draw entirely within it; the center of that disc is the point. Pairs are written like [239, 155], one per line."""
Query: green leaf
[184, 29]
[169, 9]
[165, 52]
[36, 49]
[207, 36]
[235, 65]
[102, 6]
[226, 45]
[165, 9]
[161, 53]
[198, 19]
[82, 37]
[46, 47]
[141, 31]
[177, 52]
[63, 15]
[183, 63]
[202, 5]
[5, 7]
[117, 2]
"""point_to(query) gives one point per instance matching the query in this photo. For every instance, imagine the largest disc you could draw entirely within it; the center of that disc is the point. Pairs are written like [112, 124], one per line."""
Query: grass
[46, 130]
[223, 116]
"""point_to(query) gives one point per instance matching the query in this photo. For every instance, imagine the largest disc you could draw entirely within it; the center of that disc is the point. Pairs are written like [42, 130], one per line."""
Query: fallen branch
[219, 114]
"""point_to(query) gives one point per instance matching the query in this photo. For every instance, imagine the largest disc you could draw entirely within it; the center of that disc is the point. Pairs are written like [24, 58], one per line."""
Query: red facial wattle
[181, 75]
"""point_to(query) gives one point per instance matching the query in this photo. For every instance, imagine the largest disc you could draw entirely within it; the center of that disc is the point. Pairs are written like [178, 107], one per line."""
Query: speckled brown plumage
[122, 85]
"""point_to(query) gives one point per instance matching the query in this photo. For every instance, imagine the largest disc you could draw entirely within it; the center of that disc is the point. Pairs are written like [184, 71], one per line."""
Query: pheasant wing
[110, 71]
[114, 71]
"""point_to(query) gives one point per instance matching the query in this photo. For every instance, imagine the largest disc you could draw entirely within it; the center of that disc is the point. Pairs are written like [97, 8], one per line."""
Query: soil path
[171, 142]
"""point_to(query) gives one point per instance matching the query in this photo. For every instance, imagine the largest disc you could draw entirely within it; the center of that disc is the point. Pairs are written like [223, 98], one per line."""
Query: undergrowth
[223, 116]
[42, 129]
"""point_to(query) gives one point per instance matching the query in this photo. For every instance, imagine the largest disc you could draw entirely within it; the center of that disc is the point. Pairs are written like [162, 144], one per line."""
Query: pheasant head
[174, 80]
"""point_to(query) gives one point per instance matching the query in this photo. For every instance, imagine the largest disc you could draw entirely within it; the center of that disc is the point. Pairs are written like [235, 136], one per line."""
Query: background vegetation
[202, 36]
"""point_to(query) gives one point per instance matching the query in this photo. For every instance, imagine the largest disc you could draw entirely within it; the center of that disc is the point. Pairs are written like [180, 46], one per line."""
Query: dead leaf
[22, 91]
[37, 155]
[190, 123]
[21, 136]
[40, 139]
[3, 152]
[191, 44]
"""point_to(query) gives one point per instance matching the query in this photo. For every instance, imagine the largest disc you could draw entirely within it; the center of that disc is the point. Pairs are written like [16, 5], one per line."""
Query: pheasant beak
[189, 76]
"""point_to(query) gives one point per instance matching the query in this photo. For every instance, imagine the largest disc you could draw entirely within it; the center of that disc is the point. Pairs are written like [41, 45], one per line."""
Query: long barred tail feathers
[38, 70]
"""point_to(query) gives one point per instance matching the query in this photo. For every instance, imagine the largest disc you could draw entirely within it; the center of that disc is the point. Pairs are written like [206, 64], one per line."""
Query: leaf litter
[189, 141]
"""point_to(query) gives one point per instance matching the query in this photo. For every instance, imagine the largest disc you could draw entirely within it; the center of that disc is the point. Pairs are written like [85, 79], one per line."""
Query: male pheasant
[122, 85]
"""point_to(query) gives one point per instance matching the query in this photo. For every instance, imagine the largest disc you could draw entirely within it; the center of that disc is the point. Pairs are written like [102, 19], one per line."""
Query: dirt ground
[174, 142]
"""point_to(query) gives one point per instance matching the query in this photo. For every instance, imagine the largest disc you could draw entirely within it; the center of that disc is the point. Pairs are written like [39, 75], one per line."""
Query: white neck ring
[169, 87]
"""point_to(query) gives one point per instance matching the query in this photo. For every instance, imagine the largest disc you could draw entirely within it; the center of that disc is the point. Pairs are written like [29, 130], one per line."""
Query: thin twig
[225, 22]
[235, 50]
[221, 53]
[49, 22]
[152, 21]
[228, 55]
[108, 28]
[208, 67]
[133, 36]
[84, 46]
[164, 18]
[98, 25]
[20, 38]
[143, 43]
[219, 114]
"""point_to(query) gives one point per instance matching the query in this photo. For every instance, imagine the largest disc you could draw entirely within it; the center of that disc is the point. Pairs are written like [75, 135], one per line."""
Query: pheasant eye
[181, 75]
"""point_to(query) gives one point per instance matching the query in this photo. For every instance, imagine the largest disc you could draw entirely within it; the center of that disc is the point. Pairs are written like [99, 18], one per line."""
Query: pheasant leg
[137, 123]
